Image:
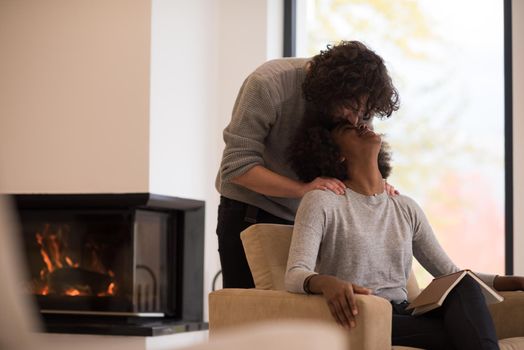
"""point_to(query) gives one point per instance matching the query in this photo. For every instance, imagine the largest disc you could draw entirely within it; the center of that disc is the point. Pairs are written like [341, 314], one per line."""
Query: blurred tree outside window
[446, 59]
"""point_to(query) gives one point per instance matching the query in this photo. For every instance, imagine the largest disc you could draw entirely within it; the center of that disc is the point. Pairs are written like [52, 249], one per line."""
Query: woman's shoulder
[403, 199]
[407, 203]
[320, 198]
[316, 205]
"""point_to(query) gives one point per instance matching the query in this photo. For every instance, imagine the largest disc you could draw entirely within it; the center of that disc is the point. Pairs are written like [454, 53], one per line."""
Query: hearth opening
[114, 255]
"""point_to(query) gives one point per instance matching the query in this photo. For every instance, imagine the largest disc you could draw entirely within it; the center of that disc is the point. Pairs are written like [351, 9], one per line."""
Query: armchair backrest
[267, 248]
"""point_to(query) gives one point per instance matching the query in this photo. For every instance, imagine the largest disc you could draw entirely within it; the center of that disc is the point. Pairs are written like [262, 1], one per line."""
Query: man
[347, 81]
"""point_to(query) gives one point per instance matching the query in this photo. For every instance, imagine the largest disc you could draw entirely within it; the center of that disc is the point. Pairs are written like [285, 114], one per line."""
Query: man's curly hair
[342, 73]
[313, 153]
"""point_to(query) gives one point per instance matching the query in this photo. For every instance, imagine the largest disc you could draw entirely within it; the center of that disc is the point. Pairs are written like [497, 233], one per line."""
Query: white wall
[183, 96]
[249, 33]
[518, 135]
[184, 109]
[74, 95]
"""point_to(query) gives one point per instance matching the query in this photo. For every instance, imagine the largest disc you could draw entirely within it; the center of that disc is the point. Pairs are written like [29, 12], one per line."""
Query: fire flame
[53, 248]
[72, 292]
[111, 290]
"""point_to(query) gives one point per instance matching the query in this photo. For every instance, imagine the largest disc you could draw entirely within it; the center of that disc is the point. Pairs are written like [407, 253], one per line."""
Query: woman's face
[356, 141]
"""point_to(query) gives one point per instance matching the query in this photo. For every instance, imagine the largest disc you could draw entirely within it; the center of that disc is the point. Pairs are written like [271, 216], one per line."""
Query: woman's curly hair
[341, 74]
[313, 153]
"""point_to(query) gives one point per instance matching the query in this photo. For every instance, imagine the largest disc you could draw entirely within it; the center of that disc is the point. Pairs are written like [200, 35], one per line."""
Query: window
[446, 59]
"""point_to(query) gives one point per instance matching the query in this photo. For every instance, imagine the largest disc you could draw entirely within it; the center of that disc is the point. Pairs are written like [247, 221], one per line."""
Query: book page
[490, 294]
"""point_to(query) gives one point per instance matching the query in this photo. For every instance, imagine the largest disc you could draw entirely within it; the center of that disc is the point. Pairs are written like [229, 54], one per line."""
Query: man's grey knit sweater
[366, 240]
[268, 110]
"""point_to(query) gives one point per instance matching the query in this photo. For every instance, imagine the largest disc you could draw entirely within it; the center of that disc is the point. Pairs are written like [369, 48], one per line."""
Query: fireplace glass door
[99, 261]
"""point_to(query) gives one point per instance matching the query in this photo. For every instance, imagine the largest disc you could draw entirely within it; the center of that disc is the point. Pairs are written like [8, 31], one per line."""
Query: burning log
[78, 281]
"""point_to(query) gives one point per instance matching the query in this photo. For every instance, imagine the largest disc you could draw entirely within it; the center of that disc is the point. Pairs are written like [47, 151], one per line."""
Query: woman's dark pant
[462, 322]
[233, 218]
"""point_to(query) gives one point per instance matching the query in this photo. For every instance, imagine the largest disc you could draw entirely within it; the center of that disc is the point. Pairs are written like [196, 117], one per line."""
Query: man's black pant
[233, 218]
[463, 322]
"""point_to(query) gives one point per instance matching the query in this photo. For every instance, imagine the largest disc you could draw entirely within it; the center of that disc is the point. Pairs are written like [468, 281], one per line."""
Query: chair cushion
[508, 316]
[516, 343]
[267, 249]
[278, 335]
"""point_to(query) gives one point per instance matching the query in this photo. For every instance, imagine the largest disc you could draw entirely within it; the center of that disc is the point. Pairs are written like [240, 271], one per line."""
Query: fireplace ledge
[90, 342]
[119, 326]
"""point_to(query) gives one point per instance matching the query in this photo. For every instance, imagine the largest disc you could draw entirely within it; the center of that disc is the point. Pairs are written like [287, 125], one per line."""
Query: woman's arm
[340, 297]
[508, 283]
[307, 236]
[311, 225]
[426, 248]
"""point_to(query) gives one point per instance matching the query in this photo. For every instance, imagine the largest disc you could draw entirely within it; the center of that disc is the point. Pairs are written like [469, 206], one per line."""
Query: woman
[255, 181]
[364, 242]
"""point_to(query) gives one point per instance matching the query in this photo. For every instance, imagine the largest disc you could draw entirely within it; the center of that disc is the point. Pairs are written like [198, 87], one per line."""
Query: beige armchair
[267, 247]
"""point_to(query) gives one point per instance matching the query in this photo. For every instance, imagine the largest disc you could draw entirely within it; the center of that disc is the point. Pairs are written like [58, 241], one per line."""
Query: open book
[434, 294]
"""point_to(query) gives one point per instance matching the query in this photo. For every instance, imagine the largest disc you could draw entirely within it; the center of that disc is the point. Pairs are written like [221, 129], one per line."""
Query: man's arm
[262, 180]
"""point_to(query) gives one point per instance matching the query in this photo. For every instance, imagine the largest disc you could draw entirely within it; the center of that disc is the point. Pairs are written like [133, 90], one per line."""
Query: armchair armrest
[234, 307]
[508, 315]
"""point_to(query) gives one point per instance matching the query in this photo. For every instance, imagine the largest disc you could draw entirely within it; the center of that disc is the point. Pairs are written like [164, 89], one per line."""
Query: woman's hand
[340, 297]
[325, 183]
[508, 283]
[390, 190]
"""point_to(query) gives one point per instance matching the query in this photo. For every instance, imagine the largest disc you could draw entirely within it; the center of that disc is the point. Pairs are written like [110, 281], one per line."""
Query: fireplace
[127, 264]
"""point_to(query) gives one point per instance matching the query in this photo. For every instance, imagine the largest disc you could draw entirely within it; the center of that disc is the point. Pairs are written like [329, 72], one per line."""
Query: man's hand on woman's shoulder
[325, 183]
[390, 190]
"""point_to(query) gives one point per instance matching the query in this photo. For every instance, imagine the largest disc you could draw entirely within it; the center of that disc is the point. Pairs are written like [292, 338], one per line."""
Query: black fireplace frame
[187, 217]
